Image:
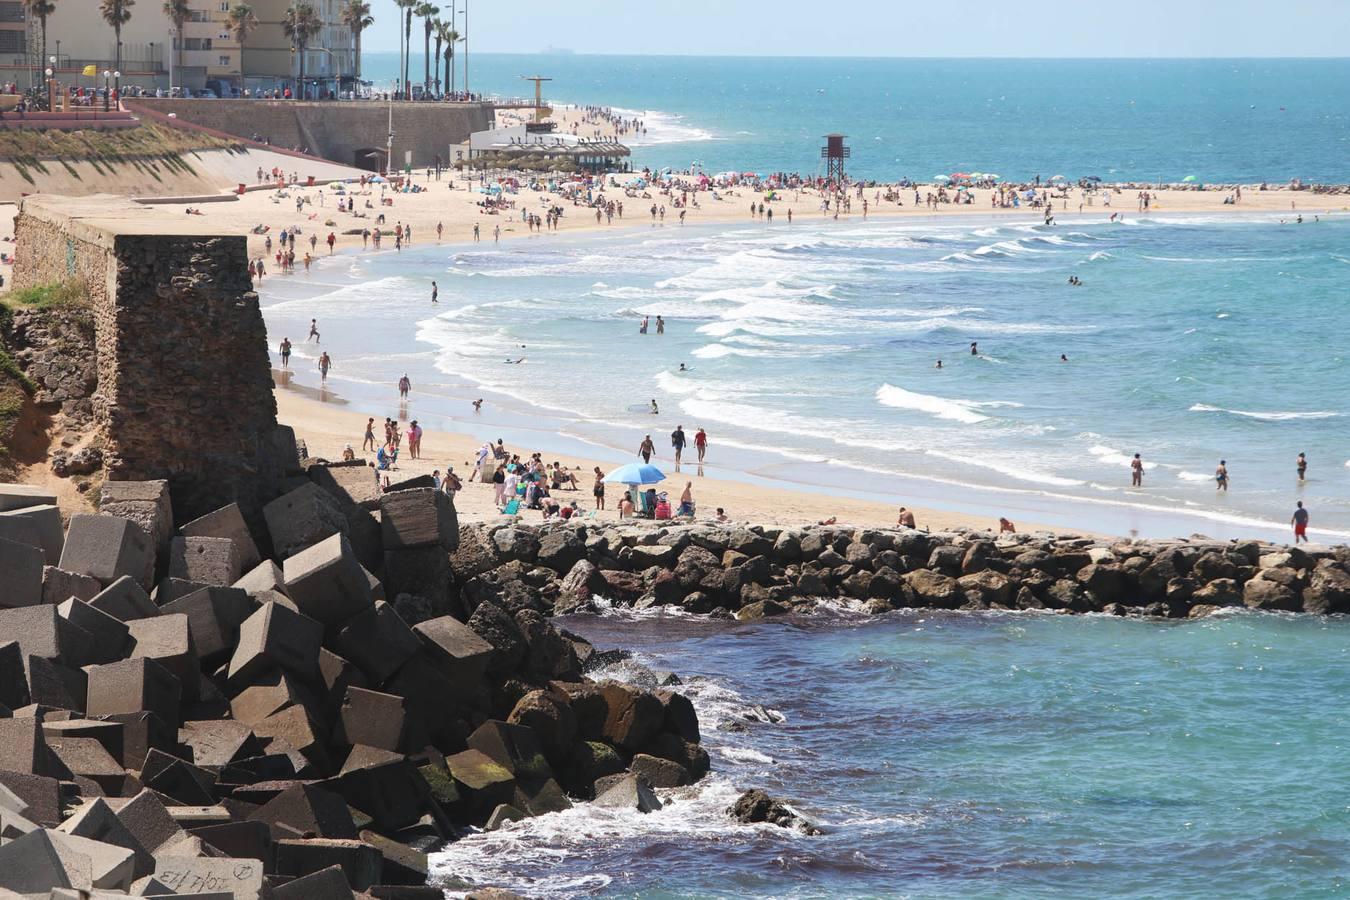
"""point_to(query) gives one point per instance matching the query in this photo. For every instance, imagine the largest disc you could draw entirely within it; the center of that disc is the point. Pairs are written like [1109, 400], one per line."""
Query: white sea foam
[662, 128]
[942, 407]
[1264, 416]
[1194, 476]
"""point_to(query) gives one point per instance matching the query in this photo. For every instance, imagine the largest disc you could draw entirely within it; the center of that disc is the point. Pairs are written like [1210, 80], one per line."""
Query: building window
[224, 6]
[11, 11]
[11, 42]
[225, 62]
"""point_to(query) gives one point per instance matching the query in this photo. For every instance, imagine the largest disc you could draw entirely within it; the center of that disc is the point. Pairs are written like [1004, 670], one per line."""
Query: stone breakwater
[300, 709]
[757, 571]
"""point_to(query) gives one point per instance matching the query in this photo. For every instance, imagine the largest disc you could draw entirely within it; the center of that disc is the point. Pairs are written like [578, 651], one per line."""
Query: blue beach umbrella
[634, 473]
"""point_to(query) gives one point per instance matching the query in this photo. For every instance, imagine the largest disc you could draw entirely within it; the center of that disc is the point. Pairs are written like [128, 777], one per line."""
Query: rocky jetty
[301, 708]
[753, 572]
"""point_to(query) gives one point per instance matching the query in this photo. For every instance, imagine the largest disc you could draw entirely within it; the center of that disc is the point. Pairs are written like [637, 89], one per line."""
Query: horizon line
[562, 51]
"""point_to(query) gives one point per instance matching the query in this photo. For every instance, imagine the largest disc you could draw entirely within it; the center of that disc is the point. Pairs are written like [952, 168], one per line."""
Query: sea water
[810, 355]
[1121, 119]
[985, 755]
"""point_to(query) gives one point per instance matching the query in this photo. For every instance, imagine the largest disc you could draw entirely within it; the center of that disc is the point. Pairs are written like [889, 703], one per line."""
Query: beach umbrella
[992, 177]
[1189, 178]
[1056, 177]
[636, 473]
[1093, 178]
[942, 179]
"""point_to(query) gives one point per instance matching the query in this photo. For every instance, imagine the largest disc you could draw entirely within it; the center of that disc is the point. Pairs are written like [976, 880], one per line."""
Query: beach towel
[512, 508]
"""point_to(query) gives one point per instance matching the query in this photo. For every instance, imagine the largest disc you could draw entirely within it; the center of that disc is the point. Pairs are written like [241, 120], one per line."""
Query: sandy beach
[327, 429]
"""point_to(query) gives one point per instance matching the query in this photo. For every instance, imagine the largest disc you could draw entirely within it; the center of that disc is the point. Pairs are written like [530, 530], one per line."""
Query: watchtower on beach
[834, 153]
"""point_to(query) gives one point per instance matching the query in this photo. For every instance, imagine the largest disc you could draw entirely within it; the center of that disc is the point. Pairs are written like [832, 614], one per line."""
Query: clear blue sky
[1026, 28]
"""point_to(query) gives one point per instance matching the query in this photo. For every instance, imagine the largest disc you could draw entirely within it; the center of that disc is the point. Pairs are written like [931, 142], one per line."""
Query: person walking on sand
[1300, 523]
[677, 440]
[324, 364]
[701, 444]
[1221, 476]
[1137, 471]
[1302, 467]
[313, 331]
[476, 236]
[646, 449]
[404, 386]
[435, 292]
[285, 352]
[415, 440]
[368, 442]
[599, 489]
[332, 240]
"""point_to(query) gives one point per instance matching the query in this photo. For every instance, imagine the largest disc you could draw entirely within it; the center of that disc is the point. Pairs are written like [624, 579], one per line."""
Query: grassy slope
[32, 150]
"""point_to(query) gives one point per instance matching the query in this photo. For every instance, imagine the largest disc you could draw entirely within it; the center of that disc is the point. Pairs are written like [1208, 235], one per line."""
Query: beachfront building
[210, 58]
[539, 140]
[270, 63]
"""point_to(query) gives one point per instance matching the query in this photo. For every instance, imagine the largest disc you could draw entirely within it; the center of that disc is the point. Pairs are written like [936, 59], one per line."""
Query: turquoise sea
[946, 755]
[1123, 120]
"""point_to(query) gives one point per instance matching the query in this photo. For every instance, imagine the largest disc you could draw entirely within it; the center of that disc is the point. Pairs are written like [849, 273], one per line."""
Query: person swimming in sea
[974, 349]
[1063, 358]
[682, 368]
[1221, 476]
[939, 364]
[655, 410]
[1302, 466]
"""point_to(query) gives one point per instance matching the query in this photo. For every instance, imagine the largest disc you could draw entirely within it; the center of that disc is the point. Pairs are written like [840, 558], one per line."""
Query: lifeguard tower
[541, 112]
[834, 153]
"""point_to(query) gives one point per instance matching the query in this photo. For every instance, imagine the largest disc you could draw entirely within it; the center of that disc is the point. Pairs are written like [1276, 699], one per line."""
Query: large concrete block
[226, 522]
[111, 868]
[41, 631]
[371, 718]
[178, 779]
[308, 811]
[183, 875]
[325, 884]
[265, 576]
[124, 599]
[269, 694]
[171, 589]
[146, 503]
[219, 742]
[40, 526]
[456, 648]
[142, 731]
[21, 573]
[110, 634]
[108, 547]
[58, 585]
[349, 485]
[87, 758]
[301, 518]
[276, 637]
[54, 685]
[35, 864]
[337, 674]
[131, 686]
[214, 616]
[13, 678]
[108, 734]
[326, 581]
[420, 583]
[379, 641]
[22, 496]
[297, 727]
[167, 639]
[240, 840]
[43, 796]
[359, 861]
[23, 749]
[423, 517]
[96, 821]
[205, 560]
[149, 822]
[394, 795]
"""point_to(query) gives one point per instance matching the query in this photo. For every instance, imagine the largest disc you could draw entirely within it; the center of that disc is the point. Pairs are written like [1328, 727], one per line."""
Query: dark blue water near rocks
[978, 755]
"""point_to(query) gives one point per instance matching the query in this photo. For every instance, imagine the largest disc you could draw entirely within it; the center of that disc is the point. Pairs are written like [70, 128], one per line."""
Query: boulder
[1328, 589]
[756, 806]
[1265, 593]
[933, 589]
[628, 792]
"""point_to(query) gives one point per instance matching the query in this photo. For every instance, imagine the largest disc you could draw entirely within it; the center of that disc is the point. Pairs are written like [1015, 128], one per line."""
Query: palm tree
[40, 10]
[428, 13]
[405, 41]
[242, 24]
[451, 38]
[438, 30]
[116, 13]
[300, 23]
[356, 16]
[177, 12]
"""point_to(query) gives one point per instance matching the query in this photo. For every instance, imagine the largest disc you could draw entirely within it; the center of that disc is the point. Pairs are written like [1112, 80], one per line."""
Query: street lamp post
[117, 84]
[106, 97]
[51, 90]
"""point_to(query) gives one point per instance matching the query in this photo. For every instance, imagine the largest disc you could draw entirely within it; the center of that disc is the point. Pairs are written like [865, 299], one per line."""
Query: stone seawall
[753, 572]
[183, 389]
[343, 132]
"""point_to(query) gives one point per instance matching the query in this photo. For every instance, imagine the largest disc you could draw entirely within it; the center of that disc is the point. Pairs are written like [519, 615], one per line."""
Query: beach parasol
[635, 473]
[1057, 178]
[1093, 178]
[1189, 178]
[941, 179]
